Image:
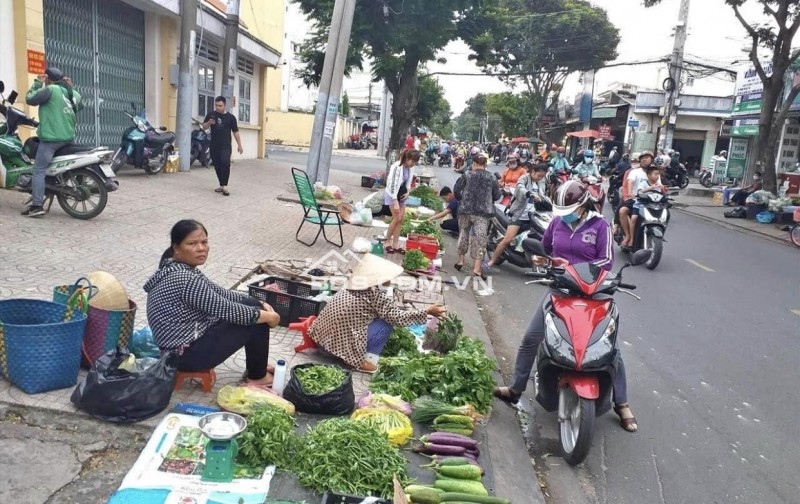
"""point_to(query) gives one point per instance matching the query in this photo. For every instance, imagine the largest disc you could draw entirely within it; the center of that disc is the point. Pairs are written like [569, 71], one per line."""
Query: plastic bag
[393, 423]
[243, 400]
[340, 401]
[143, 345]
[116, 395]
[370, 400]
[361, 245]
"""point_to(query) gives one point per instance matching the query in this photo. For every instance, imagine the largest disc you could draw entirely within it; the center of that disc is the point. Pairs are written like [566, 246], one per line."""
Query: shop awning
[584, 134]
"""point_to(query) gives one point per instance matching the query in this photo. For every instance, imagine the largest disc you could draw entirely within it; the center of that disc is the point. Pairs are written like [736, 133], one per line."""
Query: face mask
[560, 154]
[755, 177]
[571, 218]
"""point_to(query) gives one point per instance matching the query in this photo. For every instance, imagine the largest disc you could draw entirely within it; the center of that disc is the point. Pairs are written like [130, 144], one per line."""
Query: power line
[511, 74]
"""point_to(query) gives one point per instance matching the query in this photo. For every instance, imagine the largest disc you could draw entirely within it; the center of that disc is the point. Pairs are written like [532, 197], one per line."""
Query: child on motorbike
[651, 183]
[576, 235]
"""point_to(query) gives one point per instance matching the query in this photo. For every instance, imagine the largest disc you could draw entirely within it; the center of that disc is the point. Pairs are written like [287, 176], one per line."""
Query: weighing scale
[221, 430]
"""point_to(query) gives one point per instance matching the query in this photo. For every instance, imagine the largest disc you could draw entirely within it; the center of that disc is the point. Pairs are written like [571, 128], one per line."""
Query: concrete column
[8, 61]
[152, 69]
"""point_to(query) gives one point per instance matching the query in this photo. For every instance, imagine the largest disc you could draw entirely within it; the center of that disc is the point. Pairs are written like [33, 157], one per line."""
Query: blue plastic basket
[40, 344]
[765, 217]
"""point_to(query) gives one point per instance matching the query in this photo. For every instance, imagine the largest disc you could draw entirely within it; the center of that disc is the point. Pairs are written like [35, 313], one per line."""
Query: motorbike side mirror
[12, 97]
[640, 257]
[162, 128]
[535, 247]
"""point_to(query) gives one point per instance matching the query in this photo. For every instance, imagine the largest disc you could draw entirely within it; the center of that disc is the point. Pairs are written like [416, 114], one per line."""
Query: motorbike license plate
[107, 171]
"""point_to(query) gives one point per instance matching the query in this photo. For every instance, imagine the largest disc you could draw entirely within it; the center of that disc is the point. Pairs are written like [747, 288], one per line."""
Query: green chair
[313, 212]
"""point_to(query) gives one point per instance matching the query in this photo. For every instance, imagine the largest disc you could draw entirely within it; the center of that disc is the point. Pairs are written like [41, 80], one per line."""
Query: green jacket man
[58, 104]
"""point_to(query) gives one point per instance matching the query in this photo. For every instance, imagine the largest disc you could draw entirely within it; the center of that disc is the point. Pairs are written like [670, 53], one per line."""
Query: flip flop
[629, 424]
[458, 267]
[218, 190]
[507, 395]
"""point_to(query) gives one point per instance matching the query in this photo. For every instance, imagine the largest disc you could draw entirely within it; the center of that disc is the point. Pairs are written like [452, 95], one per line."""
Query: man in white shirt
[634, 179]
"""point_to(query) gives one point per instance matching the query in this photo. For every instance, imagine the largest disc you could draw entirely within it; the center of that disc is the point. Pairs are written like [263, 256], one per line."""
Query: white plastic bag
[361, 245]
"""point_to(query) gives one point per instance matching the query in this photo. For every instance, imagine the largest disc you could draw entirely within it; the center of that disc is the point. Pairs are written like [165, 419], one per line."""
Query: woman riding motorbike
[576, 235]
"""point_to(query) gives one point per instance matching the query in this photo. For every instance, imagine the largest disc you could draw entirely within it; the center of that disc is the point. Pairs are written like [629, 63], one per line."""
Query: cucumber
[427, 496]
[412, 489]
[454, 497]
[461, 486]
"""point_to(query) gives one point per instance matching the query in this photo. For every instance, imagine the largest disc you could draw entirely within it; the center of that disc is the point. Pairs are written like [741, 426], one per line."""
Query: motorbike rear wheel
[88, 196]
[576, 426]
[705, 180]
[162, 162]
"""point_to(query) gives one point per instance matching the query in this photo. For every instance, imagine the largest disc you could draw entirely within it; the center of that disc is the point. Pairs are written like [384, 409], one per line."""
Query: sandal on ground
[225, 192]
[481, 275]
[629, 424]
[459, 267]
[218, 190]
[507, 395]
[390, 250]
[367, 367]
[485, 266]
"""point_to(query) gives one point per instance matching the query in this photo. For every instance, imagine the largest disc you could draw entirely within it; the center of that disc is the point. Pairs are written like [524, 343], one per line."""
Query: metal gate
[100, 45]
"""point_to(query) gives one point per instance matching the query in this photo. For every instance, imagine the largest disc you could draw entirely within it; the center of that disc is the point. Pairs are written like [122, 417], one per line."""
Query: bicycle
[794, 233]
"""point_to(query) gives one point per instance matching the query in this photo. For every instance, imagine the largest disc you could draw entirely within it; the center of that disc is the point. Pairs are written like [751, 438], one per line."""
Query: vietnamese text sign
[745, 127]
[605, 131]
[36, 62]
[750, 89]
[737, 158]
[633, 123]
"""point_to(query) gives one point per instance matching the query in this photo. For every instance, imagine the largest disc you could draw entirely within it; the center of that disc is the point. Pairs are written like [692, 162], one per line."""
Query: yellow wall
[264, 20]
[294, 128]
[170, 41]
[29, 34]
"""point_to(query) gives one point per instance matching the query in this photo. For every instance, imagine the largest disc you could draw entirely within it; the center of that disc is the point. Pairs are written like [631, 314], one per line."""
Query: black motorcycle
[201, 143]
[677, 176]
[445, 160]
[539, 220]
[651, 226]
[142, 146]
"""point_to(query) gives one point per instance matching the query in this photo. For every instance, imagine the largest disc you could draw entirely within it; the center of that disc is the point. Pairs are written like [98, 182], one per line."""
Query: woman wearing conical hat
[356, 323]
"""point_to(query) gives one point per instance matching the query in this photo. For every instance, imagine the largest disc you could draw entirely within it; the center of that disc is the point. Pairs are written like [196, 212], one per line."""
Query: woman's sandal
[400, 250]
[482, 275]
[629, 424]
[507, 395]
[390, 250]
[459, 267]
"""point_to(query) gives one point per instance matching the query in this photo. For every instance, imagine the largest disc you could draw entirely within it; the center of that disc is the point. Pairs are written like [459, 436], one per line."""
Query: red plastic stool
[303, 326]
[207, 378]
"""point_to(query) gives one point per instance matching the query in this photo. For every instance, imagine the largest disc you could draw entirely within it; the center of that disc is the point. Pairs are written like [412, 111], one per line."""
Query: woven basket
[107, 329]
[40, 344]
[84, 288]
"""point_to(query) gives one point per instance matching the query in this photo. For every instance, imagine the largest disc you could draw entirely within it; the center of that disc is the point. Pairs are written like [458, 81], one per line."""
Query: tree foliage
[501, 113]
[433, 110]
[536, 44]
[776, 37]
[344, 107]
[396, 41]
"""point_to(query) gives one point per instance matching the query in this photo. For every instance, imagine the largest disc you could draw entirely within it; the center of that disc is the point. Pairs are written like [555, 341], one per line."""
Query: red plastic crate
[428, 245]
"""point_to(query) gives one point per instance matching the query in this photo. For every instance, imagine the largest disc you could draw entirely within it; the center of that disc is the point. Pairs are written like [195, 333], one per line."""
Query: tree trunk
[768, 137]
[404, 105]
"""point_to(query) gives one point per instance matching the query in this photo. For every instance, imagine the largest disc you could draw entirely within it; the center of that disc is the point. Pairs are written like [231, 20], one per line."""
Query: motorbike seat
[502, 217]
[70, 149]
[161, 138]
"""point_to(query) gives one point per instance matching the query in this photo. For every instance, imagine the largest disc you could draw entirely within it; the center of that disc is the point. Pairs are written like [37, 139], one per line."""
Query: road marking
[701, 266]
[796, 312]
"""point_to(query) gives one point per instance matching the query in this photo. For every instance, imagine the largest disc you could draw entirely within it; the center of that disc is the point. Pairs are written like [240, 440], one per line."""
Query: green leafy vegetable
[415, 260]
[269, 439]
[320, 379]
[428, 197]
[401, 340]
[349, 457]
[448, 331]
[430, 229]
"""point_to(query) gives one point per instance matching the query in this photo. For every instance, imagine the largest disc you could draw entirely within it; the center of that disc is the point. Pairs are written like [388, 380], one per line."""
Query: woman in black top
[476, 190]
[201, 321]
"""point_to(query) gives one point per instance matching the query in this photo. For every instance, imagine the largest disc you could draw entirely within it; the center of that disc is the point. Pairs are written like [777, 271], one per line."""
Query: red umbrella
[584, 134]
[520, 140]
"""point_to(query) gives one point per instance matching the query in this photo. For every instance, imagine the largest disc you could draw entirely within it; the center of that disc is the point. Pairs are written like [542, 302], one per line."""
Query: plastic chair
[207, 378]
[303, 326]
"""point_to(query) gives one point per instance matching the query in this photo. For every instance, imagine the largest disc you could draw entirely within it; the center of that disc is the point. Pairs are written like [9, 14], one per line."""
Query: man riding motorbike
[58, 105]
[633, 178]
[576, 235]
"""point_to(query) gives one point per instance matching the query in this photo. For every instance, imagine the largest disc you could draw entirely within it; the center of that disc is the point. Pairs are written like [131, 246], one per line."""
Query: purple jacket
[591, 242]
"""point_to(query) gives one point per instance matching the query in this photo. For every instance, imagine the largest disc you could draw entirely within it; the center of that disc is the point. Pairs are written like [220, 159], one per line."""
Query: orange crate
[429, 245]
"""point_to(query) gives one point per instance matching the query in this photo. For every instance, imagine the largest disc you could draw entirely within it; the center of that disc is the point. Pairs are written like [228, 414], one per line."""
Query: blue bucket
[40, 344]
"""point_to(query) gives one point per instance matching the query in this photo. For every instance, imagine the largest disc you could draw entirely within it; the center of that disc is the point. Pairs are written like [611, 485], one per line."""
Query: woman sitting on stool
[201, 321]
[739, 198]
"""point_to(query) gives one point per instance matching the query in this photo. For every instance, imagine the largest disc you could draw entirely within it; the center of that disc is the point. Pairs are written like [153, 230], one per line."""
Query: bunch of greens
[430, 229]
[320, 379]
[408, 225]
[414, 260]
[269, 439]
[349, 457]
[463, 376]
[444, 339]
[428, 197]
[401, 340]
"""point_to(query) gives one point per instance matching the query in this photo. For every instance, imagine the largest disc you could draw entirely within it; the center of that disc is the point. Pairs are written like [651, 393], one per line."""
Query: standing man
[58, 104]
[222, 124]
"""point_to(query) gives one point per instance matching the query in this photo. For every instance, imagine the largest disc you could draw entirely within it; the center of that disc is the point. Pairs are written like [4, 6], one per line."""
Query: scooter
[679, 179]
[614, 185]
[79, 176]
[596, 191]
[445, 160]
[578, 360]
[706, 177]
[651, 226]
[539, 220]
[201, 144]
[154, 147]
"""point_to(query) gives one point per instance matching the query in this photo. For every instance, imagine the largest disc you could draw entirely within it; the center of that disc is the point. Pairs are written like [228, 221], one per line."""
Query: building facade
[124, 54]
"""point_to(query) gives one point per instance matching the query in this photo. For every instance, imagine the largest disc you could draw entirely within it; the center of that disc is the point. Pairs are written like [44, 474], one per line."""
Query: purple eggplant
[429, 448]
[448, 438]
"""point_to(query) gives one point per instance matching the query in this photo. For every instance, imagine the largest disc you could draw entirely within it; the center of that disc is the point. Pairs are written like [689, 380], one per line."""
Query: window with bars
[246, 66]
[244, 99]
[207, 50]
[206, 84]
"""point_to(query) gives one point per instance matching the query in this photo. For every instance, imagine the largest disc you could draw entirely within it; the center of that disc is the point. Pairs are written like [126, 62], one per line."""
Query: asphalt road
[712, 359]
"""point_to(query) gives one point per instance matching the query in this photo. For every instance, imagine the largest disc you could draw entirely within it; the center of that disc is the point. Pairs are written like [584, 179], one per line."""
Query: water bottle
[279, 380]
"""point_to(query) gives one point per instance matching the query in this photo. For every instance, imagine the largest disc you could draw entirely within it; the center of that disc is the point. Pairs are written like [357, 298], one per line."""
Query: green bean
[320, 379]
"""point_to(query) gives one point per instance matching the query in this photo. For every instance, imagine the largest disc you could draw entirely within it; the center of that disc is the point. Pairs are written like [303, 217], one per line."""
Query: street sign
[605, 132]
[36, 62]
[633, 123]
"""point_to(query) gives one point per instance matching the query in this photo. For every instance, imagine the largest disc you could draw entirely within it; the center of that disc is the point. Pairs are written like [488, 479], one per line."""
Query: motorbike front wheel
[657, 246]
[83, 195]
[705, 180]
[576, 418]
[684, 182]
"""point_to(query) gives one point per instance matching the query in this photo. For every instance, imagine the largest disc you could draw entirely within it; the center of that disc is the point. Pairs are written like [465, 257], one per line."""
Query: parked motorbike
[445, 160]
[201, 145]
[79, 176]
[141, 140]
[578, 360]
[651, 226]
[539, 218]
[706, 177]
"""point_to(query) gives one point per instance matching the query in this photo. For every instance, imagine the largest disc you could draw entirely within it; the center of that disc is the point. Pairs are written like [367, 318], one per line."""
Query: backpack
[736, 213]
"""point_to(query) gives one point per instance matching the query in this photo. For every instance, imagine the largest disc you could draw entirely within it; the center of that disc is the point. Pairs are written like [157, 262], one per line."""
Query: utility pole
[183, 115]
[369, 106]
[229, 54]
[330, 89]
[385, 124]
[672, 86]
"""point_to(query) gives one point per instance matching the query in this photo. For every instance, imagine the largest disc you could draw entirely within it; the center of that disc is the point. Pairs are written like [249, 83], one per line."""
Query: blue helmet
[588, 154]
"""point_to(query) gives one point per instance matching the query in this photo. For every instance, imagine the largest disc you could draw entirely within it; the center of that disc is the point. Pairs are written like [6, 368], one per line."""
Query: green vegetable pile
[448, 331]
[269, 438]
[401, 340]
[424, 228]
[463, 376]
[317, 380]
[414, 260]
[349, 457]
[428, 197]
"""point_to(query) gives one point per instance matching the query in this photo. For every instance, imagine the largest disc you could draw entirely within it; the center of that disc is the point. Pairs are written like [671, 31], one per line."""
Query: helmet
[659, 161]
[723, 153]
[676, 153]
[626, 157]
[474, 151]
[646, 153]
[553, 147]
[570, 196]
[562, 150]
[512, 157]
[588, 154]
[54, 74]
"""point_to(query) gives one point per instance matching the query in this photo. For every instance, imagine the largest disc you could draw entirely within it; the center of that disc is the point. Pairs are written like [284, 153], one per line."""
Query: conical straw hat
[372, 271]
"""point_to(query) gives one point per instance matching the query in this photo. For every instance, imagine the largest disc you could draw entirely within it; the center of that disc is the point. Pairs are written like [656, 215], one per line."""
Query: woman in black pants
[201, 321]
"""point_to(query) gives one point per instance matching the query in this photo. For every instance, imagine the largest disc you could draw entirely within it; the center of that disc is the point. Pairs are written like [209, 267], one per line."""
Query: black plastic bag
[736, 213]
[340, 401]
[117, 395]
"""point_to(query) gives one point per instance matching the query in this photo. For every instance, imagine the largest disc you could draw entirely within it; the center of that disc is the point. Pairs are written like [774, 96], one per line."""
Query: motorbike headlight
[560, 348]
[602, 349]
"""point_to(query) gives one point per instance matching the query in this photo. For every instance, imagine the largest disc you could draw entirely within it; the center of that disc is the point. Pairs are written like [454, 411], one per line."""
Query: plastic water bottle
[279, 381]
